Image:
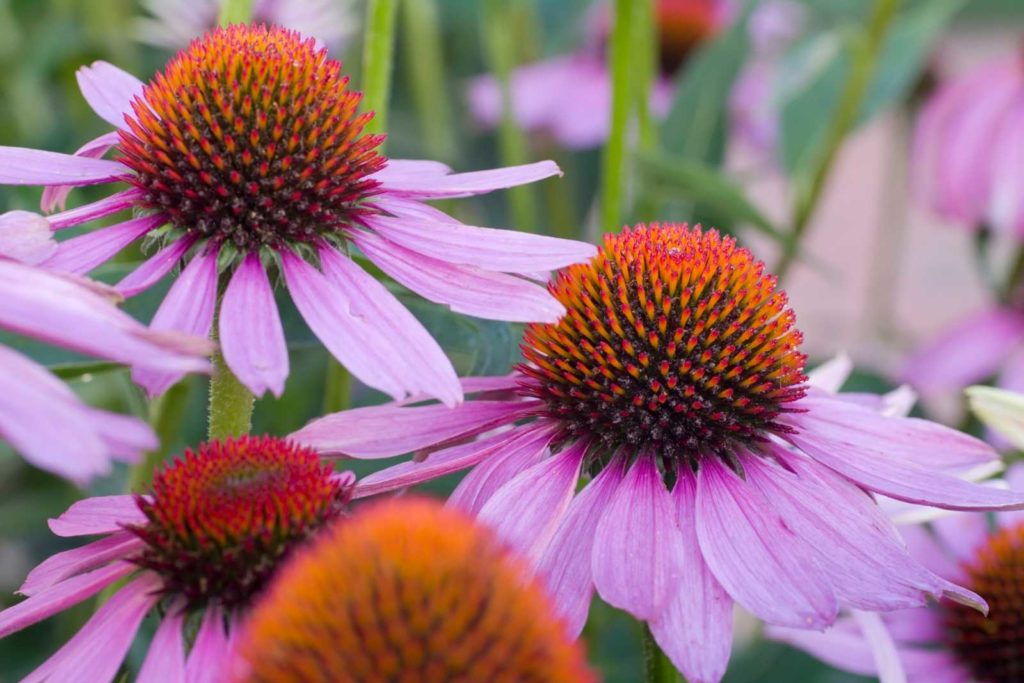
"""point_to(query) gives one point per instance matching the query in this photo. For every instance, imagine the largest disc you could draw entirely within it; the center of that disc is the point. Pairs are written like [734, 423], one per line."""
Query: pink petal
[165, 661]
[565, 564]
[23, 166]
[526, 511]
[81, 254]
[95, 653]
[1006, 203]
[206, 661]
[25, 237]
[883, 648]
[1015, 479]
[56, 196]
[59, 567]
[966, 353]
[431, 186]
[389, 430]
[61, 596]
[841, 648]
[831, 375]
[109, 91]
[154, 268]
[638, 545]
[484, 248]
[427, 368]
[187, 308]
[962, 533]
[465, 289]
[98, 515]
[695, 630]
[107, 206]
[251, 337]
[754, 554]
[411, 169]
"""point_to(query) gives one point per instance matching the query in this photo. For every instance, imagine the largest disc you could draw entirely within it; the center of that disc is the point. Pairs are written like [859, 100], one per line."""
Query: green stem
[657, 667]
[378, 58]
[235, 12]
[865, 59]
[499, 47]
[424, 60]
[646, 51]
[621, 66]
[337, 387]
[231, 403]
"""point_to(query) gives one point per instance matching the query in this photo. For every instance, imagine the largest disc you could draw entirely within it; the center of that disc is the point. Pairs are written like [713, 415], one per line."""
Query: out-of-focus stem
[424, 60]
[235, 12]
[623, 90]
[378, 58]
[165, 415]
[657, 667]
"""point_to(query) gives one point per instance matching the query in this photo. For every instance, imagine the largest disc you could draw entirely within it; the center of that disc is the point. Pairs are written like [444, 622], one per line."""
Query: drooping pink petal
[109, 91]
[883, 648]
[61, 596]
[23, 166]
[967, 353]
[526, 511]
[484, 248]
[56, 196]
[95, 653]
[756, 557]
[251, 336]
[119, 201]
[81, 254]
[389, 430]
[831, 375]
[426, 366]
[165, 660]
[98, 515]
[926, 549]
[208, 657]
[406, 169]
[638, 544]
[465, 289]
[432, 186]
[187, 308]
[25, 237]
[695, 629]
[565, 564]
[154, 268]
[61, 566]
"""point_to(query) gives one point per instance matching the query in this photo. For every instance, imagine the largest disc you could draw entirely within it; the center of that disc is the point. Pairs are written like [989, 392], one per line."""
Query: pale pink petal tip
[25, 237]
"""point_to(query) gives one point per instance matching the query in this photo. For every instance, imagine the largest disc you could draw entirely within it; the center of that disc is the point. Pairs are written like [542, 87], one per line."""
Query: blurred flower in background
[407, 590]
[174, 23]
[217, 524]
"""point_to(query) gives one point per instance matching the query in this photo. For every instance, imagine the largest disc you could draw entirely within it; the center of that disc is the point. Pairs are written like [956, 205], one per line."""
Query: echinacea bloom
[196, 550]
[969, 148]
[945, 642]
[174, 23]
[246, 160]
[407, 590]
[716, 475]
[569, 97]
[79, 315]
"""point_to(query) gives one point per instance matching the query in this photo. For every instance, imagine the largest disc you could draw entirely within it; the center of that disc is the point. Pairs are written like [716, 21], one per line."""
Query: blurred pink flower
[277, 178]
[942, 643]
[675, 382]
[969, 148]
[194, 553]
[39, 415]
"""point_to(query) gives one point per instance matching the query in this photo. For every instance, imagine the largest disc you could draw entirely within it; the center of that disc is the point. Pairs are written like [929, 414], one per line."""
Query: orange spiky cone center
[407, 591]
[675, 339]
[684, 25]
[223, 517]
[992, 647]
[250, 138]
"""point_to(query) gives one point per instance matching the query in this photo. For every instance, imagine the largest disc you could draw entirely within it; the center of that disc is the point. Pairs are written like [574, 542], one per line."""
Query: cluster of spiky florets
[222, 518]
[249, 137]
[682, 26]
[407, 591]
[674, 338]
[992, 647]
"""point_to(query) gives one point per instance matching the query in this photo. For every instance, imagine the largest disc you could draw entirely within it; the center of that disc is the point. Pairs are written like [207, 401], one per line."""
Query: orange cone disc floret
[222, 518]
[407, 590]
[684, 25]
[249, 138]
[675, 339]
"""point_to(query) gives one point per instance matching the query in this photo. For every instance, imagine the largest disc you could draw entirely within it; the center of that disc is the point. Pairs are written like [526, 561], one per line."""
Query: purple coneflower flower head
[944, 642]
[568, 97]
[969, 148]
[79, 315]
[174, 23]
[246, 160]
[196, 550]
[407, 590]
[675, 385]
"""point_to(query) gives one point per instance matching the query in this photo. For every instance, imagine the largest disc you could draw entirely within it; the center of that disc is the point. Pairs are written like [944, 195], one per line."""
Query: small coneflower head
[220, 518]
[684, 25]
[674, 339]
[250, 138]
[407, 590]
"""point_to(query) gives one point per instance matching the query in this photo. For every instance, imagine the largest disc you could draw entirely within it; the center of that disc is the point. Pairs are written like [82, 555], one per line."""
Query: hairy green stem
[231, 403]
[657, 667]
[865, 58]
[235, 12]
[620, 55]
[424, 60]
[378, 58]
